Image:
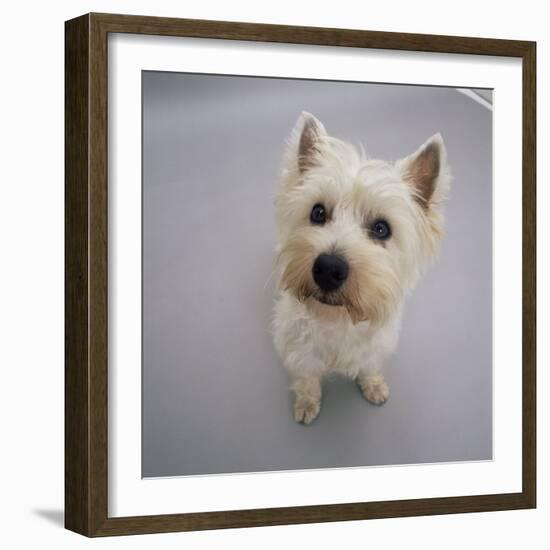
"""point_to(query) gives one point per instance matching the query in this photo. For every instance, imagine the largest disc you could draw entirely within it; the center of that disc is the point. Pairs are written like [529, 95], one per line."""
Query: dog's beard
[371, 293]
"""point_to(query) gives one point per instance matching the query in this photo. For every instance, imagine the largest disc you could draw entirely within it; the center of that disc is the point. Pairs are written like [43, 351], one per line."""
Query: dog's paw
[306, 411]
[374, 389]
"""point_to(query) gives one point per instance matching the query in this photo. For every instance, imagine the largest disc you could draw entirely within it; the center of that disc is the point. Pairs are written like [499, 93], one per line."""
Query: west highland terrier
[354, 235]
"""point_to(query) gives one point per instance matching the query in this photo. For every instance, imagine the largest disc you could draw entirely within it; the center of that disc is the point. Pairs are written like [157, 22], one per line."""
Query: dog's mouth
[329, 300]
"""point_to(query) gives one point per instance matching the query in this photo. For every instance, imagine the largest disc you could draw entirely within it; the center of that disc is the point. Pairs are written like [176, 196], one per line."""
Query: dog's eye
[318, 215]
[380, 229]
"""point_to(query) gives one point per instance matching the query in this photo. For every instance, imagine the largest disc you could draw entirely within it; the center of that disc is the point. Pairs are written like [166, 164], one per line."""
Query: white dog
[354, 234]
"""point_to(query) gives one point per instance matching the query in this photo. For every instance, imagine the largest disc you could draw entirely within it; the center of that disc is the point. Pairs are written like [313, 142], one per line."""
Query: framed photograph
[300, 275]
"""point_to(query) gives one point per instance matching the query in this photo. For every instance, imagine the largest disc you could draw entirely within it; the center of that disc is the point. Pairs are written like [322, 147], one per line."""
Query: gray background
[215, 397]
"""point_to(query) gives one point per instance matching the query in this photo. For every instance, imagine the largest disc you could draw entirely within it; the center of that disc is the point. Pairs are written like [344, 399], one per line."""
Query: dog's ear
[306, 137]
[426, 172]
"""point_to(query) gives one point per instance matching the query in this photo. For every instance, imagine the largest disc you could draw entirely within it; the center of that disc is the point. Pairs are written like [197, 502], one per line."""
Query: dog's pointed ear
[426, 171]
[306, 138]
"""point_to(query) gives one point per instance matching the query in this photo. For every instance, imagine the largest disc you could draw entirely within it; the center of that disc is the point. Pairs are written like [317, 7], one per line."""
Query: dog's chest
[307, 340]
[340, 345]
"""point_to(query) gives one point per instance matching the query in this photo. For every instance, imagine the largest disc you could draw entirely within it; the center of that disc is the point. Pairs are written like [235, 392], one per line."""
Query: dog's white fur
[359, 330]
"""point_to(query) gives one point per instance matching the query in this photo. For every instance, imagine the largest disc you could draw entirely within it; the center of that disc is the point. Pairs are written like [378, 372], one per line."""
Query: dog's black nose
[330, 272]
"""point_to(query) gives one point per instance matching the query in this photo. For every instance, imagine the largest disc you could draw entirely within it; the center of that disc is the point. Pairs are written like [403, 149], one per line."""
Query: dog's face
[355, 232]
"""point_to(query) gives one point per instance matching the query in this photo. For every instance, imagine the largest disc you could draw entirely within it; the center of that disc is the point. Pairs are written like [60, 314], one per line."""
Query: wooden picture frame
[86, 289]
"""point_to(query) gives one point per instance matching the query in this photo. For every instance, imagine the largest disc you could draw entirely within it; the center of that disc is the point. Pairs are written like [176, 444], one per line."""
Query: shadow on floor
[57, 517]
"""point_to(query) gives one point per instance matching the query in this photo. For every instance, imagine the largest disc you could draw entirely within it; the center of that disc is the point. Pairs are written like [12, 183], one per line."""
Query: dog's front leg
[373, 386]
[307, 397]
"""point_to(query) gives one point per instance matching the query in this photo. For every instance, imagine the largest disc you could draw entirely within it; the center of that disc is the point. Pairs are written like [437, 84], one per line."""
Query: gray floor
[215, 397]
